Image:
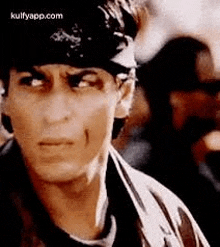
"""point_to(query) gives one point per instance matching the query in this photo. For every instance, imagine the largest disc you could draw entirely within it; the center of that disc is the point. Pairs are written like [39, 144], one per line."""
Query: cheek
[99, 119]
[23, 118]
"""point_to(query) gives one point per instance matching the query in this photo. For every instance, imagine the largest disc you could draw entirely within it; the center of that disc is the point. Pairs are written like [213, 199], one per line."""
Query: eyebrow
[34, 72]
[82, 73]
[25, 69]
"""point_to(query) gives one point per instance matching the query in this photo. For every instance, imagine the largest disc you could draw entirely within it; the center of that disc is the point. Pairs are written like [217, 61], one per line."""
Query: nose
[57, 108]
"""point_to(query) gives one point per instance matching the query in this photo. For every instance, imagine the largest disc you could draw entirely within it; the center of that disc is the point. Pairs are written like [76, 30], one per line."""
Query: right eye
[32, 81]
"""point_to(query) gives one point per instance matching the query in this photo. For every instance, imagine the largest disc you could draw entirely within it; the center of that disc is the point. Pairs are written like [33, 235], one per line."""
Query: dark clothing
[171, 163]
[147, 214]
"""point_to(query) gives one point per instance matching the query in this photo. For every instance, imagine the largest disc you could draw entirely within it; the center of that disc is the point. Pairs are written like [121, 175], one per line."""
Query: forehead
[53, 66]
[61, 69]
[108, 67]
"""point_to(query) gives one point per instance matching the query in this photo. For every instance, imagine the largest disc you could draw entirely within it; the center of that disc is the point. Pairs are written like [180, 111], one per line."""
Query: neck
[79, 206]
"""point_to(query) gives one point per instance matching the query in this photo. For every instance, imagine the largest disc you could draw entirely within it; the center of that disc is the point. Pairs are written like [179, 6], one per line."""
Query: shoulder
[145, 183]
[10, 222]
[175, 211]
[162, 204]
[12, 170]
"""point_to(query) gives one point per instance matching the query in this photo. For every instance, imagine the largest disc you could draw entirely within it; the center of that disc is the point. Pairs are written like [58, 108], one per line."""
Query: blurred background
[173, 133]
[174, 130]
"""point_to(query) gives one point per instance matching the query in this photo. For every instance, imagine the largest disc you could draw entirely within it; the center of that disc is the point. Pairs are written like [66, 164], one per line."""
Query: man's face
[199, 103]
[62, 118]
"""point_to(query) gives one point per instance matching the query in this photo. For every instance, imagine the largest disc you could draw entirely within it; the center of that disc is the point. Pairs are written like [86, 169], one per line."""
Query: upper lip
[55, 141]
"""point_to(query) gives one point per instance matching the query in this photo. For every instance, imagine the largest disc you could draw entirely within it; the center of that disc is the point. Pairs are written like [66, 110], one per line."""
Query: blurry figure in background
[184, 104]
[187, 118]
[170, 19]
[167, 20]
[207, 155]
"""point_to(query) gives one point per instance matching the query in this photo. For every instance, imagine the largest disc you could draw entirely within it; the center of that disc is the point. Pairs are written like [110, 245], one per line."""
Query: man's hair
[90, 34]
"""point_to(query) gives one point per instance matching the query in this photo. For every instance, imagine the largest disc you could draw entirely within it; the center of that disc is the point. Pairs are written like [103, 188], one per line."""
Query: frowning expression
[62, 117]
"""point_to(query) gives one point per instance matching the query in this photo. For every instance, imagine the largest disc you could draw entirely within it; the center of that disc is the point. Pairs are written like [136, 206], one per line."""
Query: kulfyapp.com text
[36, 16]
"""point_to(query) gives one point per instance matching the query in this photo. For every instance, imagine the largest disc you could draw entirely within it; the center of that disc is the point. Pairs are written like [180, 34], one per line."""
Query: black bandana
[88, 36]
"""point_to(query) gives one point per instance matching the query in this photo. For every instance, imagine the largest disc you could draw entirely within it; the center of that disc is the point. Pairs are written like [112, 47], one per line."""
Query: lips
[55, 141]
[55, 145]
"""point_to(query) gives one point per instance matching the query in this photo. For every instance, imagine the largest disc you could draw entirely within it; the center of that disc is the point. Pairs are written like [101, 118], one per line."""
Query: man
[62, 183]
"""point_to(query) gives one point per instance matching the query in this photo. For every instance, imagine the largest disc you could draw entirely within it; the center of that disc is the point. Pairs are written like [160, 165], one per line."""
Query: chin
[57, 173]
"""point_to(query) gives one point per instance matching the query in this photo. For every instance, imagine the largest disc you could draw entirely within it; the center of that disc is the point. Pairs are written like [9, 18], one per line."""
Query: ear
[5, 106]
[126, 91]
[5, 119]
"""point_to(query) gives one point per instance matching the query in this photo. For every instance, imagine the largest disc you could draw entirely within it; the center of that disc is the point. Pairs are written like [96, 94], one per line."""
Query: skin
[62, 118]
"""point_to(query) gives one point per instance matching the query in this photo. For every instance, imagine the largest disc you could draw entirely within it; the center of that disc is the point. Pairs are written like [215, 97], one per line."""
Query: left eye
[80, 81]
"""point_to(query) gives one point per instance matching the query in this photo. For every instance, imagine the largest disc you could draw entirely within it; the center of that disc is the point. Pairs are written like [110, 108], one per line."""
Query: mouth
[55, 144]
